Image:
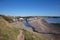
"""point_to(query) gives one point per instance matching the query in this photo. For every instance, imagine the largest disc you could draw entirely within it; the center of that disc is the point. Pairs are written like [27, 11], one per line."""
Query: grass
[7, 18]
[7, 32]
[33, 36]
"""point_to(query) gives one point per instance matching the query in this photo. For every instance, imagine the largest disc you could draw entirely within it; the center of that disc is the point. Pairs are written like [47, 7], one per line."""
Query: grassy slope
[33, 36]
[7, 32]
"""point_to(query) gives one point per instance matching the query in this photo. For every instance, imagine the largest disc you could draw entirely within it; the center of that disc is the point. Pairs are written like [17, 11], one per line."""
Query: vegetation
[33, 36]
[7, 18]
[7, 31]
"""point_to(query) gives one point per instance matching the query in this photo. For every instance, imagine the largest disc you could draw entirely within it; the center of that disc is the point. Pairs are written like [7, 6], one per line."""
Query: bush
[7, 18]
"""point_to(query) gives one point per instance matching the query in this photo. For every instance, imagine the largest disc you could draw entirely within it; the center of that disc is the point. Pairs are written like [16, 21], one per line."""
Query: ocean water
[28, 25]
[52, 20]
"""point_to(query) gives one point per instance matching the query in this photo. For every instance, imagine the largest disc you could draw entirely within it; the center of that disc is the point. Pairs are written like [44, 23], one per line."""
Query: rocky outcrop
[41, 26]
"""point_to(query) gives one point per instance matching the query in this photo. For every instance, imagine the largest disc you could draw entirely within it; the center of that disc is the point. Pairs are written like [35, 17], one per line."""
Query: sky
[30, 7]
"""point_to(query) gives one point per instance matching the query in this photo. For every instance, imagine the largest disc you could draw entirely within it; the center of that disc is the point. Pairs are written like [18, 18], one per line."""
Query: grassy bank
[33, 36]
[7, 31]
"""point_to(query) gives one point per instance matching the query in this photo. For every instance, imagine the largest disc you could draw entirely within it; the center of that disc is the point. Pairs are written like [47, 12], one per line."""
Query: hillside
[7, 31]
[33, 36]
[10, 32]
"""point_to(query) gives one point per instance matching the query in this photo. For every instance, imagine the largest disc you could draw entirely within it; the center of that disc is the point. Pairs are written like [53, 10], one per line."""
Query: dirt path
[20, 36]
